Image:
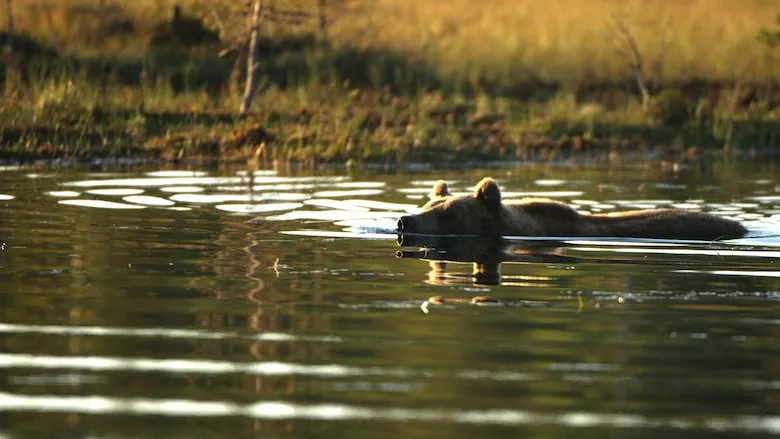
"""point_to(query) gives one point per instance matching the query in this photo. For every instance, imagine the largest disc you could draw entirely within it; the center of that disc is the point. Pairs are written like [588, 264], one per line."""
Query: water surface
[203, 303]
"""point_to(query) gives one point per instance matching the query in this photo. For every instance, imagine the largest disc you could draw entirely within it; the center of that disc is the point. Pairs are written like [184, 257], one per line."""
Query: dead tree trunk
[252, 63]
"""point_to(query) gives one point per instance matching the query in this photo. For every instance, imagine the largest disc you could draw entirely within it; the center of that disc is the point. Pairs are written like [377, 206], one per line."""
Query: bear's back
[541, 216]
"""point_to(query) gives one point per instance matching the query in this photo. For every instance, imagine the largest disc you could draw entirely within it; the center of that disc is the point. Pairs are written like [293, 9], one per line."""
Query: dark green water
[186, 319]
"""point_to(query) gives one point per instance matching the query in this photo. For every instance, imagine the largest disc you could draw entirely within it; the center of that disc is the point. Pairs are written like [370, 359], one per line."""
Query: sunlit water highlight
[279, 410]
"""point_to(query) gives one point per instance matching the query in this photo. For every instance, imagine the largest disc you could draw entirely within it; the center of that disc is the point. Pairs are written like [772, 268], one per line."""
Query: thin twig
[666, 41]
[223, 33]
[637, 62]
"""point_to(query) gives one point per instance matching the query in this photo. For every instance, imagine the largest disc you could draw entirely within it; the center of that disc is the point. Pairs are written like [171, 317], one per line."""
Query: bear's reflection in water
[486, 255]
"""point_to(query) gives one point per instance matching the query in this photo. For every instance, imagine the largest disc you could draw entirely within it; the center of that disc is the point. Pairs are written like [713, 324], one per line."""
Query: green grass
[74, 117]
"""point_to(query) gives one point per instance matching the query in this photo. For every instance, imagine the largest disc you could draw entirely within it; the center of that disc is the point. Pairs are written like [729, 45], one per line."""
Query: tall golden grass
[501, 39]
[561, 39]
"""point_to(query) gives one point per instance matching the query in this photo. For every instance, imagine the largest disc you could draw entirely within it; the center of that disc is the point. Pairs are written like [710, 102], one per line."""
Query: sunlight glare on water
[100, 204]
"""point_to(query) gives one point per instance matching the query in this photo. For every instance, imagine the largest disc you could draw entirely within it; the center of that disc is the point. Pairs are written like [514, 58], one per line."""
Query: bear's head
[475, 214]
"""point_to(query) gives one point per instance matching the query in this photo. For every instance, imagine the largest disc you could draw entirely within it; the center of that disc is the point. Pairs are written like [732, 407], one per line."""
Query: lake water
[178, 303]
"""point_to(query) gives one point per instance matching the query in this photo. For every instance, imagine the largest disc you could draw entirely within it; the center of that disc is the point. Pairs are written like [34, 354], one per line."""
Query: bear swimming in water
[484, 213]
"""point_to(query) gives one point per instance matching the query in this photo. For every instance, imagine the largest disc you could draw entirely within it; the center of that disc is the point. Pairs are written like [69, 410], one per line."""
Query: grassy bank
[392, 81]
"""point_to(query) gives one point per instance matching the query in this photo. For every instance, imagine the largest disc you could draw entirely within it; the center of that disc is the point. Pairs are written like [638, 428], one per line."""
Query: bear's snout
[406, 224]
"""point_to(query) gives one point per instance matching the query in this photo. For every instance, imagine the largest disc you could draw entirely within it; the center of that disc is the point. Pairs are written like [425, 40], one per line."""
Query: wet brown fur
[484, 213]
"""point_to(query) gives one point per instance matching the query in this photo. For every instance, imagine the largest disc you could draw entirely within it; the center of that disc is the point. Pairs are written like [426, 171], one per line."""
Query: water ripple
[264, 368]
[278, 410]
[684, 251]
[748, 273]
[100, 204]
[157, 332]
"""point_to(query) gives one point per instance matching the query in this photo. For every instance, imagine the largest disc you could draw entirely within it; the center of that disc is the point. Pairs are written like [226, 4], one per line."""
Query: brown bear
[485, 214]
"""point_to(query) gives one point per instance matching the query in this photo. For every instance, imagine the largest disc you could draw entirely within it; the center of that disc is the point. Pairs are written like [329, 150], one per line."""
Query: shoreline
[337, 123]
[644, 160]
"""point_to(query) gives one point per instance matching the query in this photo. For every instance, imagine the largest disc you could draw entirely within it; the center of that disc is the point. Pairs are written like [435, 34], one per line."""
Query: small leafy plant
[770, 37]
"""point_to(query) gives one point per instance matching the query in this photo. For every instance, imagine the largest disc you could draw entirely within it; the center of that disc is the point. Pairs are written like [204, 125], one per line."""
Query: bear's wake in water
[484, 213]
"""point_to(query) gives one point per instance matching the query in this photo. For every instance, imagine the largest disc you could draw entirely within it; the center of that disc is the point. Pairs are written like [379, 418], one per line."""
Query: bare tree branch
[223, 33]
[666, 42]
[636, 63]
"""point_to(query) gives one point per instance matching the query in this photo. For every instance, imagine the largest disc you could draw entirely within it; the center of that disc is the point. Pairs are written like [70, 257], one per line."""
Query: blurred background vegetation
[388, 80]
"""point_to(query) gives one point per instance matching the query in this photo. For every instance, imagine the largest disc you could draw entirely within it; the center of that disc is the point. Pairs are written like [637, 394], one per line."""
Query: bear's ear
[488, 192]
[440, 190]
